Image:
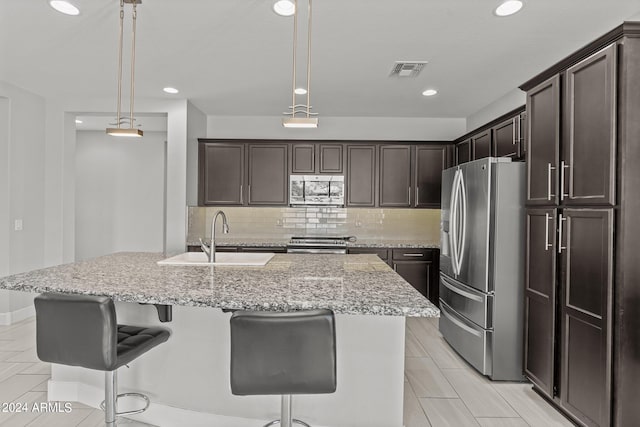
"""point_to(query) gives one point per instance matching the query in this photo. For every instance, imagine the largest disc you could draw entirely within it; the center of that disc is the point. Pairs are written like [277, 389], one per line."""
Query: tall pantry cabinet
[582, 287]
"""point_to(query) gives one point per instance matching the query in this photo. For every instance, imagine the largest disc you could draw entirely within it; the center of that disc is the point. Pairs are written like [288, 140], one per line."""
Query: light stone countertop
[277, 242]
[347, 284]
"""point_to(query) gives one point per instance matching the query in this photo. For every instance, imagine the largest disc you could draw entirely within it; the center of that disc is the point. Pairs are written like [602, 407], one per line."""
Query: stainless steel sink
[222, 258]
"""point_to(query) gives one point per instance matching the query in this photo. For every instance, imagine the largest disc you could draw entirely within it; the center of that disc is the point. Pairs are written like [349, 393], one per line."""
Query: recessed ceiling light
[300, 91]
[78, 121]
[64, 7]
[171, 90]
[284, 7]
[429, 92]
[508, 7]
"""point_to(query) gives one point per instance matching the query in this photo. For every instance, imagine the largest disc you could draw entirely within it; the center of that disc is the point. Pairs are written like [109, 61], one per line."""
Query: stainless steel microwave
[316, 190]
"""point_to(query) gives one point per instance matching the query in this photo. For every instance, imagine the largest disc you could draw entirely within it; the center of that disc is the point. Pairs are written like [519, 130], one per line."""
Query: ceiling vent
[407, 68]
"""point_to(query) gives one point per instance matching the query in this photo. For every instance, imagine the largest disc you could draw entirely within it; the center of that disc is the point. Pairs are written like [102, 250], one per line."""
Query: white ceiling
[233, 57]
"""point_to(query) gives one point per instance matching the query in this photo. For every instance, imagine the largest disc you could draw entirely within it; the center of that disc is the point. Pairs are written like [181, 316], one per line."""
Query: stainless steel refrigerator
[481, 264]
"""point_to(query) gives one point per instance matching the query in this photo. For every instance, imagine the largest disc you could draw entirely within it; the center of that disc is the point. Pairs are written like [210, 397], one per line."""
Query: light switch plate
[17, 225]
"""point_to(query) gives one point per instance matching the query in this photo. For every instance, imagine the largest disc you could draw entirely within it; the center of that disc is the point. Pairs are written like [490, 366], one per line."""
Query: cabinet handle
[409, 194]
[417, 196]
[515, 131]
[547, 245]
[395, 267]
[413, 255]
[249, 193]
[562, 168]
[560, 247]
[241, 198]
[549, 169]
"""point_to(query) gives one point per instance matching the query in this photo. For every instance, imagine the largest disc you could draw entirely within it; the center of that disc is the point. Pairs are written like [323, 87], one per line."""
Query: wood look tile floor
[440, 388]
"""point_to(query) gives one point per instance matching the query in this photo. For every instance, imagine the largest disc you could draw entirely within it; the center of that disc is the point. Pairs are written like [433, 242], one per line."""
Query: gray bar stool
[81, 330]
[283, 353]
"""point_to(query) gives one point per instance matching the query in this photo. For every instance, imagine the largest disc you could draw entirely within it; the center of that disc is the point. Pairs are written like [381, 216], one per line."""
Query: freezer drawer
[471, 341]
[468, 302]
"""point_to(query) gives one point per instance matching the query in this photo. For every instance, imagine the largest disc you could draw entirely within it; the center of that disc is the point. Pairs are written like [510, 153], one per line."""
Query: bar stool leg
[110, 398]
[285, 411]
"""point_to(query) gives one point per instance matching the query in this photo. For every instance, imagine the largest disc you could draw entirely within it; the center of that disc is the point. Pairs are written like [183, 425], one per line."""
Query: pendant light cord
[119, 118]
[295, 49]
[133, 62]
[309, 63]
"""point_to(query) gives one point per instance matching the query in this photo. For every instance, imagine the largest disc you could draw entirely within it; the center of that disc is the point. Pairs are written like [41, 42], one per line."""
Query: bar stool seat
[283, 353]
[81, 330]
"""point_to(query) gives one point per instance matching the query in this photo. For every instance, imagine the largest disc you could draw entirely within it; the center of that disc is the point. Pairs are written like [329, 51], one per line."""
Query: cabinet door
[330, 158]
[505, 140]
[586, 287]
[267, 180]
[415, 272]
[303, 158]
[481, 145]
[540, 299]
[463, 152]
[430, 161]
[543, 136]
[361, 175]
[587, 171]
[221, 174]
[395, 175]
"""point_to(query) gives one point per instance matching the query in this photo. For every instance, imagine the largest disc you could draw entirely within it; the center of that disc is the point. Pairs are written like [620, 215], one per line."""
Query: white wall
[345, 128]
[22, 187]
[196, 128]
[510, 101]
[119, 200]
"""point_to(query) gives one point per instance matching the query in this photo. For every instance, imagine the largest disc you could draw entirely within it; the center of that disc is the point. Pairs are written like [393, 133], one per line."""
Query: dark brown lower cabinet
[568, 328]
[540, 299]
[586, 253]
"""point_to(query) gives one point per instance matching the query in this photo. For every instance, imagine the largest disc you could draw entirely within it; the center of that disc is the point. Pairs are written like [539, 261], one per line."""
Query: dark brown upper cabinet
[303, 158]
[481, 145]
[587, 167]
[361, 175]
[429, 163]
[586, 250]
[267, 178]
[395, 176]
[508, 138]
[543, 136]
[220, 174]
[316, 158]
[464, 152]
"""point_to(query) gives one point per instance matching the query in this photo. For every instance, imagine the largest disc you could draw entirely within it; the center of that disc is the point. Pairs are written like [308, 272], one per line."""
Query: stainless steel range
[319, 245]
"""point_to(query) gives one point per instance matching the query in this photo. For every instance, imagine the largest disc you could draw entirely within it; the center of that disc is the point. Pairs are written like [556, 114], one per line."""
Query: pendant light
[130, 131]
[305, 119]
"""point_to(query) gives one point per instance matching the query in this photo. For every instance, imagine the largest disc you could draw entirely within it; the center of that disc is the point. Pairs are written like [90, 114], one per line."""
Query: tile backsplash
[409, 224]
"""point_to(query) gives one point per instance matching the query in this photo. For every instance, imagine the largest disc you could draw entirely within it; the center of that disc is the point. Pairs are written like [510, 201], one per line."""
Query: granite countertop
[360, 243]
[347, 284]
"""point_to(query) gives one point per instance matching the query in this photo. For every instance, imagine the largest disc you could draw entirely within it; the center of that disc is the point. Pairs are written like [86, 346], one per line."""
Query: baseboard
[157, 414]
[16, 316]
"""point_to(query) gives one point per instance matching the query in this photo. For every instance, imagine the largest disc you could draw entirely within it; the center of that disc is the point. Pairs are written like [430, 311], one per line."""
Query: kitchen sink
[222, 258]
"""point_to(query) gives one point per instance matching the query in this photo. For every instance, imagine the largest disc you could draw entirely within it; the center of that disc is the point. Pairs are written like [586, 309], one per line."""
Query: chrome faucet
[211, 249]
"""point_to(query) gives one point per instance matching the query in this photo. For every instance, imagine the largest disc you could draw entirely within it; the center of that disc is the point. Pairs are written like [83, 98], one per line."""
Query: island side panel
[191, 372]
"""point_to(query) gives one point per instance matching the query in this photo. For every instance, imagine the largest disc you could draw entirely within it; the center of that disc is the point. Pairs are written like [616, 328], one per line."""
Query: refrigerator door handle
[452, 288]
[452, 222]
[462, 195]
[458, 323]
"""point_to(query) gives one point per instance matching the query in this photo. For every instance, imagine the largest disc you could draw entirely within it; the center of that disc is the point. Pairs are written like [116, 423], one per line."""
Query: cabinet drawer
[467, 338]
[412, 255]
[270, 249]
[475, 306]
[382, 253]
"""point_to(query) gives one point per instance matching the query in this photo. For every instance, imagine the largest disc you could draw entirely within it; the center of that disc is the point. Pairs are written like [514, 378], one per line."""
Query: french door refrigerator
[481, 264]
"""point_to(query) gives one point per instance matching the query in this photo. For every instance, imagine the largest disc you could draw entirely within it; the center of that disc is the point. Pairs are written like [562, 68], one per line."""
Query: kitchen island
[187, 378]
